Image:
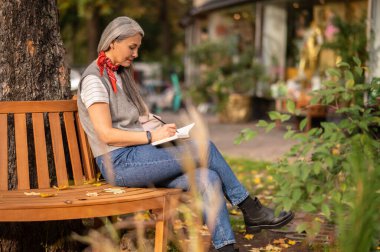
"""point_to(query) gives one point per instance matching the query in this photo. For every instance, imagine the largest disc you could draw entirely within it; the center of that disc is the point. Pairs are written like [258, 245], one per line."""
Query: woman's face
[125, 51]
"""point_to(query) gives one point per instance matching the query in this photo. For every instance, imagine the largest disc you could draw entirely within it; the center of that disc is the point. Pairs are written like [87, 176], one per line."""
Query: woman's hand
[166, 130]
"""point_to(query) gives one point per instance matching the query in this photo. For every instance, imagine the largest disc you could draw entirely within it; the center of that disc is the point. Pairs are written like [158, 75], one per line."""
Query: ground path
[265, 146]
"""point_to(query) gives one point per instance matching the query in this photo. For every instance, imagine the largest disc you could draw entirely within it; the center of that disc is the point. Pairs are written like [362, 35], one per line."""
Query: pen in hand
[162, 121]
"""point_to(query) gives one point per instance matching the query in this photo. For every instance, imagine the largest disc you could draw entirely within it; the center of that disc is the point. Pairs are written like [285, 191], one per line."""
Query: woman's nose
[135, 53]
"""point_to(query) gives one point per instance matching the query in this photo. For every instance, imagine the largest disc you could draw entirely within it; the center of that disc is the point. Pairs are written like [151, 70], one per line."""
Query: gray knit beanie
[119, 28]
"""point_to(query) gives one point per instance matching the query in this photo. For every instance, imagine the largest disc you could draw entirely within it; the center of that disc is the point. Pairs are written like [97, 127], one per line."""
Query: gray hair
[119, 29]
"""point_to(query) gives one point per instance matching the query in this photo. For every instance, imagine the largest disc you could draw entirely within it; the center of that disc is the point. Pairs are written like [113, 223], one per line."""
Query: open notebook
[181, 133]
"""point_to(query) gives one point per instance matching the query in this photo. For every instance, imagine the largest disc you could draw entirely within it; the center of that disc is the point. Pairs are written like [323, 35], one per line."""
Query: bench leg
[162, 219]
[160, 242]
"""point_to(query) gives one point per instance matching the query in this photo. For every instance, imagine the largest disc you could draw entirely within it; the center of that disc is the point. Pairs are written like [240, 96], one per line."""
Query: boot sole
[257, 229]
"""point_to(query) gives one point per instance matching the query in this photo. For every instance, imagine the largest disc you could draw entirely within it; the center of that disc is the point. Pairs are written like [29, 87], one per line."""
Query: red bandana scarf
[104, 62]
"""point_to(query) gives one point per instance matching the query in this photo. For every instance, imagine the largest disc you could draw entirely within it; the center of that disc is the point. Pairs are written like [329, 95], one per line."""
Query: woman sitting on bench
[109, 107]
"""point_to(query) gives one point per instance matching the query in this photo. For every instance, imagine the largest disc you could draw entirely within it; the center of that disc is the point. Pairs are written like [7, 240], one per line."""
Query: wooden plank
[22, 161]
[3, 152]
[58, 150]
[73, 147]
[87, 159]
[72, 211]
[38, 106]
[40, 150]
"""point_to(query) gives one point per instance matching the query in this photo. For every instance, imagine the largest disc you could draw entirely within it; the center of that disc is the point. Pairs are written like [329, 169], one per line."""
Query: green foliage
[163, 40]
[351, 40]
[335, 169]
[364, 201]
[226, 70]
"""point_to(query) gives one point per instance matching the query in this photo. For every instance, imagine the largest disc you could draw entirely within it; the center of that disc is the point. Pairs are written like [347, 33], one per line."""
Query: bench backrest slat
[12, 107]
[40, 150]
[72, 141]
[87, 160]
[58, 150]
[69, 146]
[22, 162]
[3, 152]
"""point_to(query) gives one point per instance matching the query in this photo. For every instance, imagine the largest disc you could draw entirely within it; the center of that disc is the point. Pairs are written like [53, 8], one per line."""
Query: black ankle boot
[228, 248]
[257, 216]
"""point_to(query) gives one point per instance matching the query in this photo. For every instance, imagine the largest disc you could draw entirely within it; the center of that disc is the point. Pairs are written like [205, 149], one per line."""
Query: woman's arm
[101, 119]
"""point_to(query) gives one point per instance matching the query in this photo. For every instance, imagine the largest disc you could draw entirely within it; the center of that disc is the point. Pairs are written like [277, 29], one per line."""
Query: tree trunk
[92, 24]
[31, 52]
[32, 67]
[166, 41]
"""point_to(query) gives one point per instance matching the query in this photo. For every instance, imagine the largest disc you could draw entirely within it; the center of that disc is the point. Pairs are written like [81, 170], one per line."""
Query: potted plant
[228, 79]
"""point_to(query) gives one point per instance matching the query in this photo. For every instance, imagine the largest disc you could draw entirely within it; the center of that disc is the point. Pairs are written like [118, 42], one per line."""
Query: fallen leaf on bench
[47, 195]
[114, 190]
[92, 194]
[89, 182]
[97, 184]
[31, 193]
[61, 187]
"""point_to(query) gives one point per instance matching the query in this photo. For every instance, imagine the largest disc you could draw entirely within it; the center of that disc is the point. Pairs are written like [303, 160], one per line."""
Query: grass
[256, 179]
[254, 176]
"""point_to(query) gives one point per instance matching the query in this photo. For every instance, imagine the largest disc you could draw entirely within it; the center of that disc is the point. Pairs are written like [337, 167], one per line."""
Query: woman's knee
[208, 180]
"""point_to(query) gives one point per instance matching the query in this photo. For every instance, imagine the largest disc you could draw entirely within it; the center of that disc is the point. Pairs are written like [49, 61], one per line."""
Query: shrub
[335, 169]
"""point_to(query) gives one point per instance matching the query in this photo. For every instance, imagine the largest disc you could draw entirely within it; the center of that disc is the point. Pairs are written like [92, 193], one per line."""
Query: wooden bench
[311, 112]
[73, 166]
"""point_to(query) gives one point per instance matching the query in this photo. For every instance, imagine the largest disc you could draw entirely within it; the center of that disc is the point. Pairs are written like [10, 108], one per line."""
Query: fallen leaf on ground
[178, 224]
[92, 194]
[272, 248]
[279, 241]
[254, 250]
[249, 236]
[47, 195]
[257, 180]
[319, 220]
[204, 230]
[31, 193]
[142, 216]
[234, 212]
[291, 242]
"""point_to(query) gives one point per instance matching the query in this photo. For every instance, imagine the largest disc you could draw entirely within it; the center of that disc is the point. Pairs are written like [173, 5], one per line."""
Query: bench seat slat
[40, 150]
[83, 189]
[36, 202]
[3, 152]
[18, 200]
[109, 208]
[21, 152]
[73, 147]
[58, 150]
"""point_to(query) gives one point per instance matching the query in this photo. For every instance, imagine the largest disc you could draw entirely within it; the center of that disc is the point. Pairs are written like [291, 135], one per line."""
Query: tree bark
[32, 67]
[32, 63]
[92, 24]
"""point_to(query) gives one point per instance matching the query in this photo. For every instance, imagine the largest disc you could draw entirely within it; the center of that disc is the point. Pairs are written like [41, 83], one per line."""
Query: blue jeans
[147, 165]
